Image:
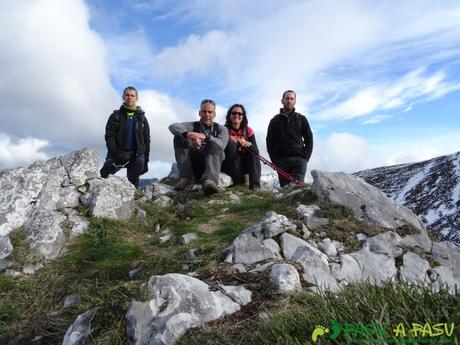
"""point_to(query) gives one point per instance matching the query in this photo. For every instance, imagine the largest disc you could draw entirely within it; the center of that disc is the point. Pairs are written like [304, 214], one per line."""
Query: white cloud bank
[22, 152]
[54, 82]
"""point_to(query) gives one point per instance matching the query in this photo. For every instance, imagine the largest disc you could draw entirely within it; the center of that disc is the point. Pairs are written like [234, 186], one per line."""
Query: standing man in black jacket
[127, 135]
[290, 140]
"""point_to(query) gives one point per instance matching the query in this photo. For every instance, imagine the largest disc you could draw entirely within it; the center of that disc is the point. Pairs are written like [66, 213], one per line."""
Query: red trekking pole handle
[283, 173]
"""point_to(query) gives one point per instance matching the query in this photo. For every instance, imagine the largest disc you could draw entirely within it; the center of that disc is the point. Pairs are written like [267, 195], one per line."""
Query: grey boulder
[6, 250]
[177, 303]
[80, 329]
[248, 249]
[112, 197]
[368, 203]
[285, 278]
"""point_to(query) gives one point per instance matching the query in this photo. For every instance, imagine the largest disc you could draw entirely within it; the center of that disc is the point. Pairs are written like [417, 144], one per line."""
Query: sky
[379, 81]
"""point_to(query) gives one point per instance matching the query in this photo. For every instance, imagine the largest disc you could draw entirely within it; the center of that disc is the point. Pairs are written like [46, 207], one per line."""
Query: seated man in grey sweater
[199, 149]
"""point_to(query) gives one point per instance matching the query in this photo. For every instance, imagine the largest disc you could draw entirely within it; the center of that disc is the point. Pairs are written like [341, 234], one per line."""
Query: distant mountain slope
[431, 189]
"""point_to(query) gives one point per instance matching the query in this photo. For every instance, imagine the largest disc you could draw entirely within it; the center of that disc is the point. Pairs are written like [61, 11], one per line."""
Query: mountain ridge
[431, 189]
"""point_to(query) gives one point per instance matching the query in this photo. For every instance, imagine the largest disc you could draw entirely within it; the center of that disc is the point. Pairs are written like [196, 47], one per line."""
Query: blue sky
[378, 80]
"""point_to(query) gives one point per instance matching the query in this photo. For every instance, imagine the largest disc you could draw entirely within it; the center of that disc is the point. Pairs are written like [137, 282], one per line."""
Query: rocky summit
[158, 267]
[431, 189]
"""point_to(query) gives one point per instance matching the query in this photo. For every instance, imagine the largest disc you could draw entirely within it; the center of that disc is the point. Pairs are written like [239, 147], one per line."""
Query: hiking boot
[184, 183]
[209, 187]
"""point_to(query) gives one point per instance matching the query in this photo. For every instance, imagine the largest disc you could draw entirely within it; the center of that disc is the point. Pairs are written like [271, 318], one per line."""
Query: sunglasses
[208, 101]
[236, 113]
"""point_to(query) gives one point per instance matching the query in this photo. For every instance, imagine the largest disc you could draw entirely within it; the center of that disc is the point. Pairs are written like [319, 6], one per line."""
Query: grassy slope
[97, 263]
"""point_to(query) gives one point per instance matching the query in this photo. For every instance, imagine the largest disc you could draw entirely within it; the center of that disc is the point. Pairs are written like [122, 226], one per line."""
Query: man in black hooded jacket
[127, 136]
[290, 140]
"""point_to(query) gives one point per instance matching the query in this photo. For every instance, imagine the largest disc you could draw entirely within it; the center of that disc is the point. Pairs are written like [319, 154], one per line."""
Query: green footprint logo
[318, 331]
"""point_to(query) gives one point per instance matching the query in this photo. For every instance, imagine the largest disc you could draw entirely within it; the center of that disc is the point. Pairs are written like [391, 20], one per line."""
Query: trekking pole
[283, 173]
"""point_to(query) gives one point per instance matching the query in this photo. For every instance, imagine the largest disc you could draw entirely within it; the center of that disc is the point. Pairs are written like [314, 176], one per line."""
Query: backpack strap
[215, 128]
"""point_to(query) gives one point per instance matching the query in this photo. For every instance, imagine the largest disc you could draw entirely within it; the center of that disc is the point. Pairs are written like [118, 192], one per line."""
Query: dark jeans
[134, 168]
[201, 165]
[237, 164]
[294, 166]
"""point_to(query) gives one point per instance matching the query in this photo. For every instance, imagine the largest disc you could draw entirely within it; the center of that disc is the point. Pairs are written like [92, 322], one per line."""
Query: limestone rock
[77, 224]
[291, 244]
[240, 268]
[388, 243]
[45, 232]
[178, 302]
[248, 249]
[367, 202]
[224, 181]
[238, 294]
[316, 272]
[271, 225]
[286, 278]
[47, 185]
[187, 238]
[6, 249]
[71, 300]
[32, 268]
[420, 240]
[443, 277]
[316, 222]
[366, 266]
[305, 212]
[163, 201]
[112, 197]
[165, 236]
[447, 254]
[328, 247]
[80, 329]
[414, 269]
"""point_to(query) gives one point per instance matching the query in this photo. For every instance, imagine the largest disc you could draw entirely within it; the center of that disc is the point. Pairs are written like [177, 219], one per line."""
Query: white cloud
[419, 148]
[195, 55]
[376, 119]
[348, 49]
[22, 152]
[343, 152]
[384, 96]
[54, 80]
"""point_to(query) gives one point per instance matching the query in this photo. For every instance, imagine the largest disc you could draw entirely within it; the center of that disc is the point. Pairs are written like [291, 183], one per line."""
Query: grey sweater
[179, 128]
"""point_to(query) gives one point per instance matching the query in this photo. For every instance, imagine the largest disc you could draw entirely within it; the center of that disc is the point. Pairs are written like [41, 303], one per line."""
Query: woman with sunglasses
[239, 159]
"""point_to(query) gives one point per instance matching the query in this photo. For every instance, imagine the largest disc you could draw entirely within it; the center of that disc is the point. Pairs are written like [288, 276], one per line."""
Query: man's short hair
[285, 92]
[204, 101]
[132, 88]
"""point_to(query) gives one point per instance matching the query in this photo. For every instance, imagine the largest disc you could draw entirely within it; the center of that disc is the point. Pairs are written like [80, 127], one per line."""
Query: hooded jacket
[289, 135]
[116, 128]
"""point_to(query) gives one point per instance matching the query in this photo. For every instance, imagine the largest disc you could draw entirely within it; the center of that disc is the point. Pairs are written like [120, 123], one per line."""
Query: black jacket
[115, 132]
[289, 135]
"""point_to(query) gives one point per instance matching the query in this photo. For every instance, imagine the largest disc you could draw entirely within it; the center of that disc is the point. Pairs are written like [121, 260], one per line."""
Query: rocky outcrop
[368, 203]
[177, 303]
[42, 199]
[39, 197]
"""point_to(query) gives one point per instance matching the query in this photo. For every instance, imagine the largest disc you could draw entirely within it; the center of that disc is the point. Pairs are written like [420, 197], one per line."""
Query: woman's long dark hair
[244, 122]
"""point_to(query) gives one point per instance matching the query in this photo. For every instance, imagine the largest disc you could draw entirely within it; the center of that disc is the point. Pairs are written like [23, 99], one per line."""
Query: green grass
[296, 317]
[97, 263]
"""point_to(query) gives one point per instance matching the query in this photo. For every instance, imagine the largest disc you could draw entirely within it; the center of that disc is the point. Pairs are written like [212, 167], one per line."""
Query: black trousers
[134, 168]
[294, 166]
[237, 164]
